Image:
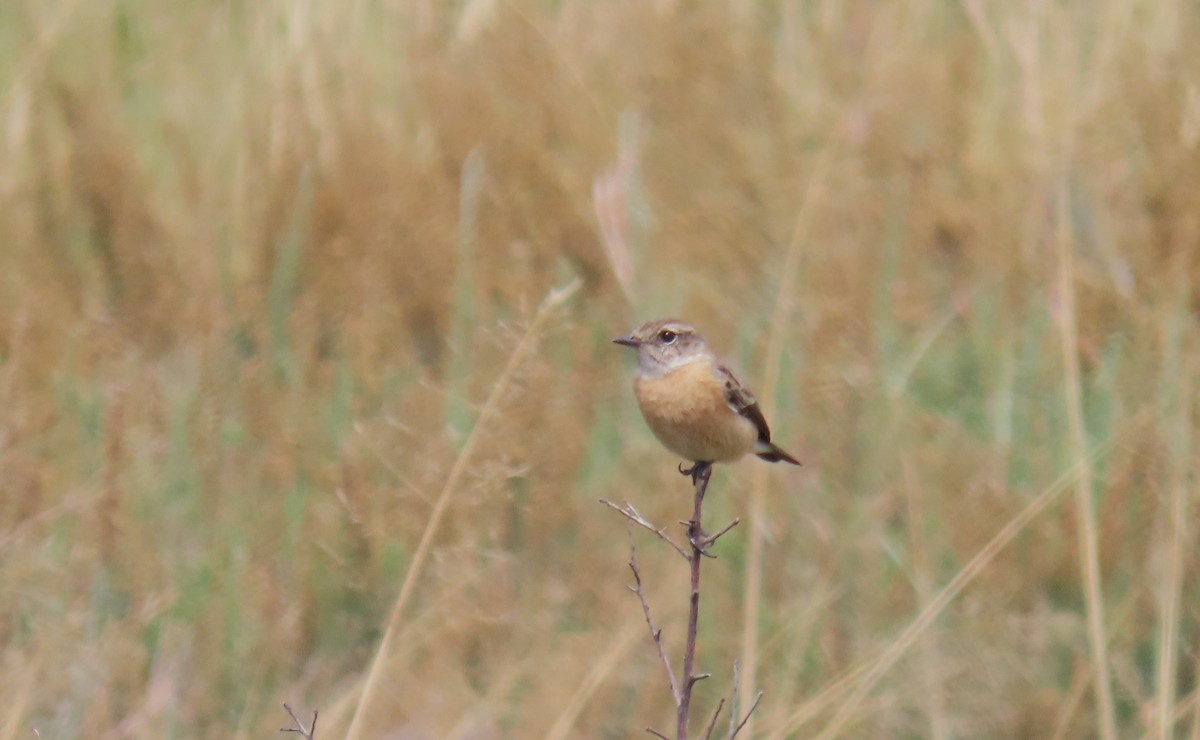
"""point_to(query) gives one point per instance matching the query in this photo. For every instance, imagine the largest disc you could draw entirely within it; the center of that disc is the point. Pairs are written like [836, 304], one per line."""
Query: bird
[696, 406]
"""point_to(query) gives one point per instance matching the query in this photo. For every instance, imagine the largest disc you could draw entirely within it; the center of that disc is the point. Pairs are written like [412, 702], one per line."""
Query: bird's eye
[667, 336]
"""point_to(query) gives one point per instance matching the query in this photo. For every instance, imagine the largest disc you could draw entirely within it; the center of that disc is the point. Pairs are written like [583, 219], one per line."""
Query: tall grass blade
[281, 293]
[864, 677]
[776, 338]
[1176, 390]
[1088, 532]
[466, 313]
[552, 301]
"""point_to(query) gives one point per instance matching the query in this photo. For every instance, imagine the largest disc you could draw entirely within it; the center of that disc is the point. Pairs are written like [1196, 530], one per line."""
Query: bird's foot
[697, 471]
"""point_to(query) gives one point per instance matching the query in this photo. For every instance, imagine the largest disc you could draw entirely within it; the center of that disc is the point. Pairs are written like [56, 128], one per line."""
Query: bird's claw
[697, 470]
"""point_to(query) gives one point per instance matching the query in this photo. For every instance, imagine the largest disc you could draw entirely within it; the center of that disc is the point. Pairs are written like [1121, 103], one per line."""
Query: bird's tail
[772, 453]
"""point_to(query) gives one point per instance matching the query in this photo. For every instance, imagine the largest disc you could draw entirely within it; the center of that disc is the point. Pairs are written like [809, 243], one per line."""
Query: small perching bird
[695, 405]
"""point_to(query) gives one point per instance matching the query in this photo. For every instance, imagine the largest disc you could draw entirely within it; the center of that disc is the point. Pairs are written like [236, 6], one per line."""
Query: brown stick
[700, 476]
[698, 543]
[655, 632]
[629, 512]
[712, 724]
[746, 719]
[310, 732]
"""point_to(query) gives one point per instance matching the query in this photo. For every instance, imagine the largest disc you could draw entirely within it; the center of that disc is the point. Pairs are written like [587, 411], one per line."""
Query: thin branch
[711, 540]
[701, 473]
[629, 512]
[655, 632]
[746, 719]
[310, 733]
[712, 723]
[700, 541]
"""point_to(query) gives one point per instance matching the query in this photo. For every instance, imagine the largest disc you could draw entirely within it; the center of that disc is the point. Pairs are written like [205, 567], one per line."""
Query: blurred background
[278, 301]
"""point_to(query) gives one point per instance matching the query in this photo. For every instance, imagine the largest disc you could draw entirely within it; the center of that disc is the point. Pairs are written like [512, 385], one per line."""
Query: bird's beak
[628, 341]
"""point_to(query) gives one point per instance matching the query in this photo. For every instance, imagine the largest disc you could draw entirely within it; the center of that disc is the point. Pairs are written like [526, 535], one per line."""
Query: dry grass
[264, 264]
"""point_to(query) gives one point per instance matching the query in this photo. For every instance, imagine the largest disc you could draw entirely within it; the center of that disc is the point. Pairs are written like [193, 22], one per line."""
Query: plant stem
[696, 537]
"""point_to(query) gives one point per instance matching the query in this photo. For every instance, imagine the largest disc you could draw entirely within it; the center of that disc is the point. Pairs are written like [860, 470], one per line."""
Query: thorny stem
[629, 512]
[701, 474]
[698, 543]
[655, 632]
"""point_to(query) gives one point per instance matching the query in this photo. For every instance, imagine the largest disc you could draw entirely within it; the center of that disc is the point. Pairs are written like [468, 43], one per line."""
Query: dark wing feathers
[743, 401]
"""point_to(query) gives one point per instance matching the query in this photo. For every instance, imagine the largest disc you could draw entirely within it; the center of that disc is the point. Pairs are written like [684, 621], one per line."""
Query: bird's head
[665, 344]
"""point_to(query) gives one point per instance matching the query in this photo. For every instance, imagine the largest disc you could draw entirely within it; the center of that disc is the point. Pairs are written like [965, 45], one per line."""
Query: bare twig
[699, 541]
[712, 723]
[656, 733]
[655, 632]
[711, 540]
[310, 732]
[758, 697]
[701, 473]
[629, 512]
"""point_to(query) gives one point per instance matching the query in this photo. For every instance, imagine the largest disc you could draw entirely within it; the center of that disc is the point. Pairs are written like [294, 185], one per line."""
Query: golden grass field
[299, 401]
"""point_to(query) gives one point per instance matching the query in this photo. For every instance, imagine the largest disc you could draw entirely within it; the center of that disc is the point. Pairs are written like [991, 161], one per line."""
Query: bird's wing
[741, 400]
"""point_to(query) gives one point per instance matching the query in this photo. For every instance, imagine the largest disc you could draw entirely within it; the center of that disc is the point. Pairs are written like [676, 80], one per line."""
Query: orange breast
[686, 409]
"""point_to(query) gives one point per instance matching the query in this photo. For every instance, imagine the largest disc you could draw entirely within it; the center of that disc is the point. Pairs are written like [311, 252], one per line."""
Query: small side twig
[711, 540]
[656, 733]
[713, 722]
[309, 733]
[655, 632]
[629, 512]
[757, 698]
